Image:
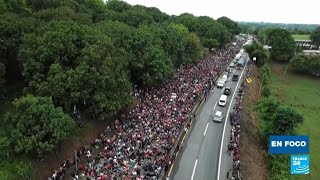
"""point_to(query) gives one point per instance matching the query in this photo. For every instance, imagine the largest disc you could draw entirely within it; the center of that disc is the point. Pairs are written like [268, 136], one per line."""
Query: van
[223, 100]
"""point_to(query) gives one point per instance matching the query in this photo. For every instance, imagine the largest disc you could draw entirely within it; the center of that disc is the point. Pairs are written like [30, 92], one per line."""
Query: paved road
[199, 157]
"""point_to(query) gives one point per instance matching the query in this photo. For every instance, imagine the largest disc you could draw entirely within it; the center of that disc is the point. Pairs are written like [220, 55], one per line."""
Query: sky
[276, 11]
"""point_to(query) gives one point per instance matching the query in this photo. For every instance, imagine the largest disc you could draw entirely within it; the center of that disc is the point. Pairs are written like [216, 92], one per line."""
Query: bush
[15, 169]
[279, 165]
[266, 91]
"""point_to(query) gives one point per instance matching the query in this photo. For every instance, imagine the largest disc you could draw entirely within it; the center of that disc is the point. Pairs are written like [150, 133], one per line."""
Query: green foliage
[293, 28]
[282, 43]
[266, 91]
[306, 64]
[4, 147]
[2, 74]
[279, 166]
[36, 126]
[76, 65]
[211, 33]
[258, 51]
[267, 107]
[315, 36]
[232, 26]
[265, 72]
[285, 120]
[16, 169]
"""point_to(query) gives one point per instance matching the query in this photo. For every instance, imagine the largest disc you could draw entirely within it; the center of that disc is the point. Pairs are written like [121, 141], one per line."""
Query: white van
[223, 100]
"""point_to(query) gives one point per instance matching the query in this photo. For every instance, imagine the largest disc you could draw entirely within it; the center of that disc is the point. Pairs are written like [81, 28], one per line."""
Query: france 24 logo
[300, 164]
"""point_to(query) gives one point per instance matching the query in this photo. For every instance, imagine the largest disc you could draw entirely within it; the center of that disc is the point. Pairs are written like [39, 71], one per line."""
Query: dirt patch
[253, 161]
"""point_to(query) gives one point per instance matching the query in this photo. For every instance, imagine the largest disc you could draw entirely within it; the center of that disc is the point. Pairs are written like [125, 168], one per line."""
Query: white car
[232, 65]
[223, 100]
[218, 116]
[220, 84]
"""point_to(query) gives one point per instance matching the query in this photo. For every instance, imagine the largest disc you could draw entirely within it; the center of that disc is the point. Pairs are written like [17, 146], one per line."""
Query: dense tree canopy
[307, 64]
[36, 125]
[258, 51]
[232, 26]
[282, 43]
[89, 54]
[315, 36]
[211, 33]
[76, 65]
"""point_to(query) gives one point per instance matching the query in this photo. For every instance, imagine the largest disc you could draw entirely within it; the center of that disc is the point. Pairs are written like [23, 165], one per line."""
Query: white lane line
[194, 169]
[222, 90]
[215, 105]
[229, 78]
[205, 131]
[225, 123]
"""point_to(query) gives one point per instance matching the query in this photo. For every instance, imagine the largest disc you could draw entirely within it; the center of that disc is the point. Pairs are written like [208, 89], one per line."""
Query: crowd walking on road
[137, 145]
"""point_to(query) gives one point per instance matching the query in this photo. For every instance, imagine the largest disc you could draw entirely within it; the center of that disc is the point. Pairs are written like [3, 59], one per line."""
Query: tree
[267, 107]
[285, 120]
[307, 64]
[211, 33]
[258, 51]
[77, 66]
[282, 43]
[232, 26]
[315, 37]
[36, 125]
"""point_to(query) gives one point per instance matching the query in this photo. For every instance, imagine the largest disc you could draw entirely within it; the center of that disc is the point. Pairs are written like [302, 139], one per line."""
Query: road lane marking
[169, 173]
[229, 78]
[225, 123]
[194, 169]
[206, 129]
[222, 90]
[215, 105]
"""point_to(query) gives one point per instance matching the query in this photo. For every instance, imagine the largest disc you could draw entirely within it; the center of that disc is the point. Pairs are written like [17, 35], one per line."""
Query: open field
[302, 93]
[301, 37]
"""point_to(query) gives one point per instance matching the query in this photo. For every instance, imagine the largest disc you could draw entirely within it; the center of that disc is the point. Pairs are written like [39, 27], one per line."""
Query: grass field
[302, 93]
[301, 37]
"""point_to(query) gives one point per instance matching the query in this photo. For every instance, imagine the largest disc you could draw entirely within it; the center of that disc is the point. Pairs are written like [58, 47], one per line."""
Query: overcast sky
[284, 11]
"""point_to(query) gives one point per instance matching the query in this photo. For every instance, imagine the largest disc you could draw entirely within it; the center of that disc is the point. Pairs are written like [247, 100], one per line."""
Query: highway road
[200, 155]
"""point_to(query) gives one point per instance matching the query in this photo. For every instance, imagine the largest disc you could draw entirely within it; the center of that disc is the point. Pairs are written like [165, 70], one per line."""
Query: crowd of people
[138, 145]
[233, 146]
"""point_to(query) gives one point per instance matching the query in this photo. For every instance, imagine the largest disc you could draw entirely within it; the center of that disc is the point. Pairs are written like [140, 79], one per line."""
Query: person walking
[228, 173]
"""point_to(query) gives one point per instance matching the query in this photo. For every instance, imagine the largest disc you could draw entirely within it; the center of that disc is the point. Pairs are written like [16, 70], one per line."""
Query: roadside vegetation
[290, 98]
[79, 57]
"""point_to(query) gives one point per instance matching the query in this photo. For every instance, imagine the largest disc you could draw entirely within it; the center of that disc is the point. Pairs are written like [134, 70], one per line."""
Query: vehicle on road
[223, 100]
[241, 62]
[218, 116]
[224, 78]
[238, 56]
[220, 84]
[227, 91]
[232, 65]
[235, 77]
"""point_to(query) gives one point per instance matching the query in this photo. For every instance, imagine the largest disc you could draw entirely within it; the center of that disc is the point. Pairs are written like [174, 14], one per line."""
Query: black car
[235, 77]
[227, 91]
